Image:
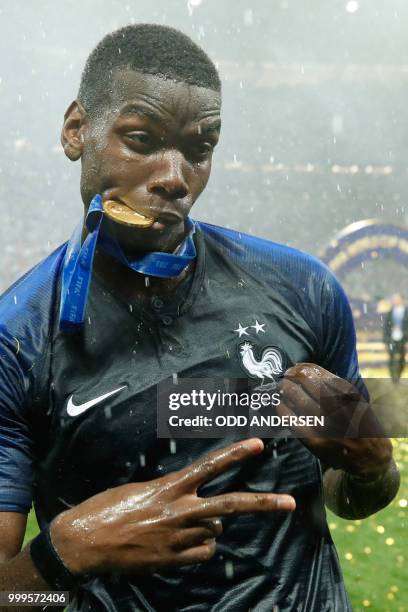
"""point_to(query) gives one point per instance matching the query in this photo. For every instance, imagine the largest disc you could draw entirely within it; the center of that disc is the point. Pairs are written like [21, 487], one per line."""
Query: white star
[241, 330]
[259, 327]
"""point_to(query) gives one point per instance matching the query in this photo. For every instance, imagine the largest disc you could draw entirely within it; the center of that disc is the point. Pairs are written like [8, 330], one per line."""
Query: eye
[202, 150]
[140, 138]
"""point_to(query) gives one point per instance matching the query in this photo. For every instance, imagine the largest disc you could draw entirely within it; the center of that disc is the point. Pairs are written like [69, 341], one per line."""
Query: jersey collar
[78, 263]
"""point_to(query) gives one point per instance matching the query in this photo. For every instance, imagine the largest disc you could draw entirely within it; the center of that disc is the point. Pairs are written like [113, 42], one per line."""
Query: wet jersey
[78, 416]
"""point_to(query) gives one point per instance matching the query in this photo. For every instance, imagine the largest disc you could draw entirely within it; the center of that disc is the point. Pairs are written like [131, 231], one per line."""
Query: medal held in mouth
[123, 214]
[78, 261]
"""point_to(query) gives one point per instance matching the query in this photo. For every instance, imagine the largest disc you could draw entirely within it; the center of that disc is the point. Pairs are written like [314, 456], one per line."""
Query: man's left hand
[308, 389]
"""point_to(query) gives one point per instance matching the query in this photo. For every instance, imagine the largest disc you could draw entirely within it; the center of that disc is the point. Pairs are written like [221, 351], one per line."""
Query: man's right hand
[160, 523]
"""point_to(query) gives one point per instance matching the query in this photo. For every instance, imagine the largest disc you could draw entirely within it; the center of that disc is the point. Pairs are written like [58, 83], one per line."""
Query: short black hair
[150, 48]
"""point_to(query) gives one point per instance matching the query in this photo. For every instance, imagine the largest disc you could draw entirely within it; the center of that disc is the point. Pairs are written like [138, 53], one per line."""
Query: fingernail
[256, 444]
[286, 502]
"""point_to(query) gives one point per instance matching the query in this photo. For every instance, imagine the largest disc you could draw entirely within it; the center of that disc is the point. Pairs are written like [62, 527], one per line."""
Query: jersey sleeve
[15, 436]
[339, 350]
[26, 318]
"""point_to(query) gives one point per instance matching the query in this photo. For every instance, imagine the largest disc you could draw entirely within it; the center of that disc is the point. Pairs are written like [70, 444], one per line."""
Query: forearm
[353, 498]
[20, 574]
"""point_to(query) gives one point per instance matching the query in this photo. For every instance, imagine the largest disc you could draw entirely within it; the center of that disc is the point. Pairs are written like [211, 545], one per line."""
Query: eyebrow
[208, 124]
[211, 125]
[141, 111]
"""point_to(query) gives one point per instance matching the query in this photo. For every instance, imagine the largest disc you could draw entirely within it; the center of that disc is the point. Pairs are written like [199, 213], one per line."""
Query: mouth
[125, 214]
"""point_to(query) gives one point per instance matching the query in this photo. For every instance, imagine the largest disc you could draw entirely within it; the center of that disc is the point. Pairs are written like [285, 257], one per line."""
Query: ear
[72, 133]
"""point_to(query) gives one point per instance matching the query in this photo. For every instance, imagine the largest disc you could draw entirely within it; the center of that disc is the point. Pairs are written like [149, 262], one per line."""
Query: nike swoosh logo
[74, 410]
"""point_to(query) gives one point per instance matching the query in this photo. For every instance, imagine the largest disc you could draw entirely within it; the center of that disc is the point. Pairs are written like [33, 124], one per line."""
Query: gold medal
[119, 212]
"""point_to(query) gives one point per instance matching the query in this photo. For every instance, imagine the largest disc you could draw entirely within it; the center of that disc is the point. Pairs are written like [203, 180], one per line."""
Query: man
[142, 293]
[395, 336]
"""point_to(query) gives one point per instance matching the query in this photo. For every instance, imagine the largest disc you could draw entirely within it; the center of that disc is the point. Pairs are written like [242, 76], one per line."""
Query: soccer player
[142, 292]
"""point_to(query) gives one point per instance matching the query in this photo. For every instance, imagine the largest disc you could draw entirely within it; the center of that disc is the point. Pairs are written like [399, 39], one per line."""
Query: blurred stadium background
[314, 142]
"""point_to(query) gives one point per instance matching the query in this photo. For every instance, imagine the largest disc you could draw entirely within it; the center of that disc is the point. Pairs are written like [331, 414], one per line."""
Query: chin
[136, 241]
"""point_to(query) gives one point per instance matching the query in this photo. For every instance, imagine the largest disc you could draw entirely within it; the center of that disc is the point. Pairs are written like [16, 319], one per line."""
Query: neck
[128, 246]
[133, 286]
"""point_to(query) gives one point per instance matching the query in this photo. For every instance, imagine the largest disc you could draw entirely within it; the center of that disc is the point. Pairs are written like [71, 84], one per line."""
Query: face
[397, 300]
[151, 147]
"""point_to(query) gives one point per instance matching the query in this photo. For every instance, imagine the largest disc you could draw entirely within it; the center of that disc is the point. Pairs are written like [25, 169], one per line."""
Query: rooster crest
[268, 366]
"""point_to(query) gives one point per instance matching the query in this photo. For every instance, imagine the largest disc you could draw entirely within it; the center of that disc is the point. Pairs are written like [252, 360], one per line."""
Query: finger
[318, 382]
[194, 536]
[303, 368]
[298, 431]
[216, 462]
[197, 554]
[309, 377]
[214, 524]
[243, 503]
[295, 397]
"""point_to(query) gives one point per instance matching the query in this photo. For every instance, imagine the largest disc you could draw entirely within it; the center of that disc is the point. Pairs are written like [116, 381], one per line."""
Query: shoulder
[26, 308]
[270, 259]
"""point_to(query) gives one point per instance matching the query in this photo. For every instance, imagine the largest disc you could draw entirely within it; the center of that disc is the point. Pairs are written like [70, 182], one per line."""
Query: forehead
[160, 98]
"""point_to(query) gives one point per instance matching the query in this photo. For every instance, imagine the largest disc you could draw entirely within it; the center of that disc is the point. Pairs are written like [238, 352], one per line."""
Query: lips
[125, 212]
[168, 217]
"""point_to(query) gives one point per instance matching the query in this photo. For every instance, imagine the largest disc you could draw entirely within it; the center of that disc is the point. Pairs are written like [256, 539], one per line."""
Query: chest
[103, 392]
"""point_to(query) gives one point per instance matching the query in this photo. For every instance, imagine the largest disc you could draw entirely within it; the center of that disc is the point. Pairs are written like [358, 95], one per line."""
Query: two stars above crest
[242, 331]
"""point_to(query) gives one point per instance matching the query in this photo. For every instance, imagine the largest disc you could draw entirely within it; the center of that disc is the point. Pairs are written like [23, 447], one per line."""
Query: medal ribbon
[78, 263]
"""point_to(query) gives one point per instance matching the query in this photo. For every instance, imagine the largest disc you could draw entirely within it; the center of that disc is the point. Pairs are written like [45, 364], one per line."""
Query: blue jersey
[285, 299]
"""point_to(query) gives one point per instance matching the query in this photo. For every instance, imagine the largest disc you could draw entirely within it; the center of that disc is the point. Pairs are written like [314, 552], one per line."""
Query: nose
[169, 182]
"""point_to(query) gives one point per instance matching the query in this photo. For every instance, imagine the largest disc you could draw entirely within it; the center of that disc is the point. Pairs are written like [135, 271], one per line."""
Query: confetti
[380, 529]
